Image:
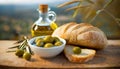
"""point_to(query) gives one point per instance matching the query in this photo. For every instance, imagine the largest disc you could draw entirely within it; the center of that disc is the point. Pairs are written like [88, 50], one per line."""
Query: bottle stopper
[43, 8]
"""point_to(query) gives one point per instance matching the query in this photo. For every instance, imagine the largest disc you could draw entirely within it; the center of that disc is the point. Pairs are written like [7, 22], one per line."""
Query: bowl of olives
[47, 46]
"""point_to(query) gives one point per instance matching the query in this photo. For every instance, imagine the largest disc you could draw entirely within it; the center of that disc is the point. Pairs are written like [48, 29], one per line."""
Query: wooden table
[107, 58]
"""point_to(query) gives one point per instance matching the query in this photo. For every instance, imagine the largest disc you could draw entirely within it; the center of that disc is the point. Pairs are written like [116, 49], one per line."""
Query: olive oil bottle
[45, 25]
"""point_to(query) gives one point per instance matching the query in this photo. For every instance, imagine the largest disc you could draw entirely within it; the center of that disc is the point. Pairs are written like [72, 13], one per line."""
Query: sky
[29, 1]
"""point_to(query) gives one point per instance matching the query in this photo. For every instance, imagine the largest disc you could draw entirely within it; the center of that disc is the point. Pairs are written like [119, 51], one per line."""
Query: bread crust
[82, 34]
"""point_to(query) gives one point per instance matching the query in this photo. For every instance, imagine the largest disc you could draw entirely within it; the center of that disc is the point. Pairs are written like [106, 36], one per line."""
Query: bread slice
[84, 56]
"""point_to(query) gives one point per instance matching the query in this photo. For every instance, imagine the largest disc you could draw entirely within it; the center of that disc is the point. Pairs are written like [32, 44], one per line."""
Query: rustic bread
[84, 56]
[82, 34]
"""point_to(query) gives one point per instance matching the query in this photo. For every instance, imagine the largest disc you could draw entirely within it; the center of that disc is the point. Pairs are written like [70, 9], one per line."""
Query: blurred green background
[17, 17]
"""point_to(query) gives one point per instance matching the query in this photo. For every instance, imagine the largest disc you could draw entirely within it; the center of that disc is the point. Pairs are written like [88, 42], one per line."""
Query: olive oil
[41, 30]
[45, 25]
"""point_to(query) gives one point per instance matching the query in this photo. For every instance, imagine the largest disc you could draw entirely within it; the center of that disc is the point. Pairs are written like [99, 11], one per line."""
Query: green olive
[48, 39]
[56, 39]
[58, 43]
[37, 39]
[77, 50]
[27, 56]
[19, 53]
[48, 45]
[40, 43]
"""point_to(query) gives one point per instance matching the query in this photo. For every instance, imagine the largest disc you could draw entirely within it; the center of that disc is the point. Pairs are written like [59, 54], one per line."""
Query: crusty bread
[63, 29]
[84, 56]
[82, 34]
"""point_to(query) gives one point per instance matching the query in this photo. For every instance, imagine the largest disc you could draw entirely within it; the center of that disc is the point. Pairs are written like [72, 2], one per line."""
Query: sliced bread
[84, 56]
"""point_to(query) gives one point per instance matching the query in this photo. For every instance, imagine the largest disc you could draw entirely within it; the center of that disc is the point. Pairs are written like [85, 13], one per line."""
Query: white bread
[82, 34]
[84, 56]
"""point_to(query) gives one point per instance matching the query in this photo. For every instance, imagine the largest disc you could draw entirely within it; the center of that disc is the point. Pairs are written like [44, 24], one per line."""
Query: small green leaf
[98, 11]
[14, 47]
[19, 41]
[68, 3]
[76, 11]
[11, 51]
[77, 7]
[118, 19]
[89, 1]
[110, 1]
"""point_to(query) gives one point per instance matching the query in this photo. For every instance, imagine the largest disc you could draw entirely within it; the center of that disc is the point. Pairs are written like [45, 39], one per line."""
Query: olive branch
[80, 5]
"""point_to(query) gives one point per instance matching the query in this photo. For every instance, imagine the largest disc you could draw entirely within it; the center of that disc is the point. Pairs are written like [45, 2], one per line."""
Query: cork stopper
[43, 8]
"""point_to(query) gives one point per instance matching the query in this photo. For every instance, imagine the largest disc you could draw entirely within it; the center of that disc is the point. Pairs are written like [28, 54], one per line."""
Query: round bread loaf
[82, 34]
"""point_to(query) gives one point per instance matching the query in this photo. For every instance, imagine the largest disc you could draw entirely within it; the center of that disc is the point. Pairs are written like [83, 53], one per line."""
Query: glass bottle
[45, 24]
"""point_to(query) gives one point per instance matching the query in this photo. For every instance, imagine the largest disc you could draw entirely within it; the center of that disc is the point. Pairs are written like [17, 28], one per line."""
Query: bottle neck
[44, 15]
[43, 19]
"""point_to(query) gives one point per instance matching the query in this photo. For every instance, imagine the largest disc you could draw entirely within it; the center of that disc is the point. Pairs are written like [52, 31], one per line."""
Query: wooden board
[109, 57]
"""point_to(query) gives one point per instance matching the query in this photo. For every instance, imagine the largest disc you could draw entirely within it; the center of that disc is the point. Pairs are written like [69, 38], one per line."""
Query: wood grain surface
[107, 58]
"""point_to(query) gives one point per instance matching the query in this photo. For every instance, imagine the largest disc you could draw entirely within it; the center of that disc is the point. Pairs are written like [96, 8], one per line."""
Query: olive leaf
[90, 15]
[28, 48]
[118, 21]
[11, 51]
[76, 11]
[14, 47]
[19, 41]
[76, 7]
[109, 2]
[68, 3]
[23, 44]
[75, 1]
[89, 1]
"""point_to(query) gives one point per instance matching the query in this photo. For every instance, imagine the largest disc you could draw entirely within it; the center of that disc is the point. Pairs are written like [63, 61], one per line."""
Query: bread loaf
[82, 34]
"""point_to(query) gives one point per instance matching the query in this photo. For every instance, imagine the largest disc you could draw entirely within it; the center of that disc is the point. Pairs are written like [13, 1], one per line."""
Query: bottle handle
[52, 16]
